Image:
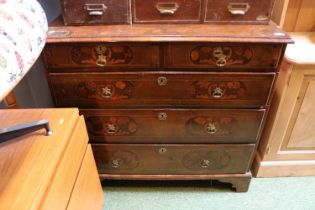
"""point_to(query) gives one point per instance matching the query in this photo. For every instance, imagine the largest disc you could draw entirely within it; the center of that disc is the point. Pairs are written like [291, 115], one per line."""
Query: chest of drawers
[176, 102]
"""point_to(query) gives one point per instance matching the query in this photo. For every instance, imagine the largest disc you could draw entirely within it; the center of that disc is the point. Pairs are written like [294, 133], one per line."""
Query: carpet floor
[285, 193]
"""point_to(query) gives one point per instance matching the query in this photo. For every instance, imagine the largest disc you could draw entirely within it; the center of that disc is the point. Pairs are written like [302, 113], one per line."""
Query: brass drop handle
[238, 8]
[217, 92]
[167, 8]
[162, 81]
[211, 129]
[107, 92]
[218, 53]
[205, 163]
[162, 116]
[101, 58]
[95, 9]
[116, 163]
[111, 128]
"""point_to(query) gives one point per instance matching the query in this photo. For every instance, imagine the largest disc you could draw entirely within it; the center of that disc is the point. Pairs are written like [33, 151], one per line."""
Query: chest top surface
[58, 33]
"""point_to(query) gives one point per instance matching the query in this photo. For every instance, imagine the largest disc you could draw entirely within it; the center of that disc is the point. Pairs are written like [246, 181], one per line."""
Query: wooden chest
[168, 101]
[82, 12]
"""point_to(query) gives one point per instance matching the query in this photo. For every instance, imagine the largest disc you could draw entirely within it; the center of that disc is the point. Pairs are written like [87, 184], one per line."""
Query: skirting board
[283, 168]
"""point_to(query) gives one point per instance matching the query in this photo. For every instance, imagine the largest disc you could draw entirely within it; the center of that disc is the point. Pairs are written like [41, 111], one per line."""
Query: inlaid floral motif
[226, 90]
[211, 55]
[109, 90]
[111, 125]
[110, 55]
[119, 159]
[211, 125]
[206, 160]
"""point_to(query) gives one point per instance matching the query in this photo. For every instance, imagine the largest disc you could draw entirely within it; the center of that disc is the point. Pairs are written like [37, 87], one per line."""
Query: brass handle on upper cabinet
[217, 92]
[95, 9]
[238, 8]
[205, 163]
[167, 8]
[211, 129]
[107, 92]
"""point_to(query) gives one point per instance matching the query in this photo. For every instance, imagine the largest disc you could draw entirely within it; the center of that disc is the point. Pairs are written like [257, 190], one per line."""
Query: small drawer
[239, 11]
[174, 11]
[173, 159]
[83, 12]
[223, 56]
[102, 55]
[144, 89]
[173, 125]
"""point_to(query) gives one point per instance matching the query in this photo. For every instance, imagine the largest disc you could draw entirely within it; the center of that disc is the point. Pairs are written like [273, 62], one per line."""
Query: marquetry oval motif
[113, 55]
[228, 89]
[213, 55]
[206, 160]
[109, 90]
[119, 159]
[211, 125]
[111, 125]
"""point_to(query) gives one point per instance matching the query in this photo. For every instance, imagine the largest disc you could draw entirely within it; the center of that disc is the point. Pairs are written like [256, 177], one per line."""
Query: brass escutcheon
[162, 81]
[162, 150]
[162, 116]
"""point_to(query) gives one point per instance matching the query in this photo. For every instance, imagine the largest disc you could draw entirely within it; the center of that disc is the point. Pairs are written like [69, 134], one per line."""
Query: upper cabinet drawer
[202, 55]
[101, 55]
[82, 12]
[239, 11]
[159, 11]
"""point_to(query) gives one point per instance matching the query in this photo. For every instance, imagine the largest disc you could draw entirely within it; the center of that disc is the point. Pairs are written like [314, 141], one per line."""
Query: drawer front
[158, 11]
[173, 125]
[239, 11]
[223, 56]
[101, 55]
[104, 90]
[82, 12]
[173, 159]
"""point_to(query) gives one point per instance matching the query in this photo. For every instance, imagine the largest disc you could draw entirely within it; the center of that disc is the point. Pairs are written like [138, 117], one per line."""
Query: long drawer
[104, 90]
[172, 159]
[240, 56]
[239, 11]
[102, 55]
[173, 125]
